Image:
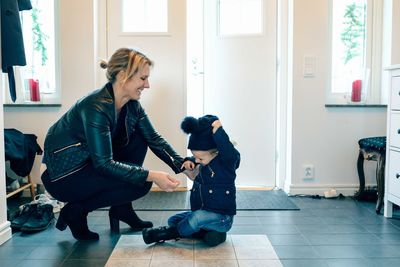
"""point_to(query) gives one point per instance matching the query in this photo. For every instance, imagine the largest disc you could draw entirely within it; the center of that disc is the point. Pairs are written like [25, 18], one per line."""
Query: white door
[165, 101]
[240, 81]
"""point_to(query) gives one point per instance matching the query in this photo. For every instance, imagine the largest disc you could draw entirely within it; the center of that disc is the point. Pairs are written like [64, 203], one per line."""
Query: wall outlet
[308, 172]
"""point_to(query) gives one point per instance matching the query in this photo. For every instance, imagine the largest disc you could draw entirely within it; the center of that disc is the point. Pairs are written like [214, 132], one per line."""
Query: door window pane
[145, 16]
[240, 17]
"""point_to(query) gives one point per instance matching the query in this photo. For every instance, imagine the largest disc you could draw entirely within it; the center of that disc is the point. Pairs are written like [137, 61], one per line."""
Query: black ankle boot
[214, 238]
[160, 234]
[126, 214]
[73, 216]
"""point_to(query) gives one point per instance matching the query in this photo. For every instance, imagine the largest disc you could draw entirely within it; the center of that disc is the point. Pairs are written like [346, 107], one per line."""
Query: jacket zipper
[201, 196]
[171, 158]
[211, 170]
[72, 172]
[64, 148]
[126, 125]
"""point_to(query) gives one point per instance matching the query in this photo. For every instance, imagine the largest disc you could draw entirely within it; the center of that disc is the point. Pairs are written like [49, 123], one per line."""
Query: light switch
[309, 66]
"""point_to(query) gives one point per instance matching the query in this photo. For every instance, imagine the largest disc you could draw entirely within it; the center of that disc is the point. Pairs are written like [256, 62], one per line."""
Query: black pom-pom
[190, 125]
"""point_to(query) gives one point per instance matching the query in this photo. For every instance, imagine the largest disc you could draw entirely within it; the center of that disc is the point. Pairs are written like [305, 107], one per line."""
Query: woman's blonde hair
[126, 59]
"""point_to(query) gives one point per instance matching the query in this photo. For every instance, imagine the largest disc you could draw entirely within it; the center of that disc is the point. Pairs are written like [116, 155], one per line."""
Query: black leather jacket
[83, 136]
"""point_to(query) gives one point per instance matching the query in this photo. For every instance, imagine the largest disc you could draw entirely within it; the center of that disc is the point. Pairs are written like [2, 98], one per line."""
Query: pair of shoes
[160, 234]
[33, 217]
[214, 238]
[126, 214]
[47, 199]
[75, 217]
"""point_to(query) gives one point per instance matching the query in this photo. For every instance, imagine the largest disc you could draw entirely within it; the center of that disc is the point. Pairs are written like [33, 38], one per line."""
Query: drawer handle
[397, 175]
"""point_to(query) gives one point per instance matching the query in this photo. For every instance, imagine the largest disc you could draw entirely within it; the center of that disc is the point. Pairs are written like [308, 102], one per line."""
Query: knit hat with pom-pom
[200, 130]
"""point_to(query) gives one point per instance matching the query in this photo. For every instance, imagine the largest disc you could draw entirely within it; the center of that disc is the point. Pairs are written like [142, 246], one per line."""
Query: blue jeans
[191, 222]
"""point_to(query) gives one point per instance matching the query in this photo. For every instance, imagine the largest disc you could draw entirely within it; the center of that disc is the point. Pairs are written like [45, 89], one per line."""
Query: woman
[93, 154]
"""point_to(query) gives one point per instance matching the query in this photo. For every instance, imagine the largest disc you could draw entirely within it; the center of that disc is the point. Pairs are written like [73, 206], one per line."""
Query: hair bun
[103, 64]
[190, 125]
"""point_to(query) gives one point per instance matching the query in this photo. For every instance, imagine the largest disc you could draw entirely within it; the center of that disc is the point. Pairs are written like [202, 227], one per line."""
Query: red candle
[34, 90]
[356, 91]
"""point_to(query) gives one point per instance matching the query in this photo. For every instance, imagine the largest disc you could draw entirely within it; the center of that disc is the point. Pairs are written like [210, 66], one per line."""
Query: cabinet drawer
[395, 97]
[394, 173]
[394, 136]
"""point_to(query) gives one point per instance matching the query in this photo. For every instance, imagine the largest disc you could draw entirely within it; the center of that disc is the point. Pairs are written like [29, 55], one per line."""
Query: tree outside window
[353, 35]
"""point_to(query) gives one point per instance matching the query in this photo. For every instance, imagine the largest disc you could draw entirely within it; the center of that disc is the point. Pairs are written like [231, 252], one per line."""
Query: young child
[213, 195]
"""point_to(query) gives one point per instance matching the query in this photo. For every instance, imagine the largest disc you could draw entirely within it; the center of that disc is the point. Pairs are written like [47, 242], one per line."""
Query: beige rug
[238, 250]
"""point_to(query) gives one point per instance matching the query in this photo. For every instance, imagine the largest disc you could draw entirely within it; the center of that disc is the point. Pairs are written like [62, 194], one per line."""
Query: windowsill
[46, 100]
[355, 105]
[32, 105]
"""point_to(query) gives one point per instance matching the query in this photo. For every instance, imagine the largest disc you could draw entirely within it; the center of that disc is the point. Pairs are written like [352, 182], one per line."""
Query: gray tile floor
[335, 232]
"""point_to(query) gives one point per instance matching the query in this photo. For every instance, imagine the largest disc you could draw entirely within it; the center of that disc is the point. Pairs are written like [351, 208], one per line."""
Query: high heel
[73, 216]
[126, 214]
[61, 223]
[114, 225]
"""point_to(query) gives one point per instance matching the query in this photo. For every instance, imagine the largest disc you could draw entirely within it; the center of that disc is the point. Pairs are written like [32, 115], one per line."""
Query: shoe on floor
[23, 215]
[40, 219]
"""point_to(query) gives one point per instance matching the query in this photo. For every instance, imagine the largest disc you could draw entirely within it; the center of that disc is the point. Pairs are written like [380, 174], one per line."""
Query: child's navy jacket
[214, 187]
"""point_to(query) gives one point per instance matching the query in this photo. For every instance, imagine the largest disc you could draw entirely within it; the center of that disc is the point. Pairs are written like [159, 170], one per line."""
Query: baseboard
[319, 189]
[5, 232]
[179, 189]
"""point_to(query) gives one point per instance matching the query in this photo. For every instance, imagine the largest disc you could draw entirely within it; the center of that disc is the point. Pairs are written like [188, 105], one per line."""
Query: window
[38, 81]
[240, 17]
[355, 55]
[140, 16]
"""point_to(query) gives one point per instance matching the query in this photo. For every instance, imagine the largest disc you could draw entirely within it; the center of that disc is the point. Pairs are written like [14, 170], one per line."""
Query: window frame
[45, 98]
[373, 58]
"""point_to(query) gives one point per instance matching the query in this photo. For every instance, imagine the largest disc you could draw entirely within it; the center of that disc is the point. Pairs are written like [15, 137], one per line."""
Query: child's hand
[188, 165]
[193, 173]
[216, 124]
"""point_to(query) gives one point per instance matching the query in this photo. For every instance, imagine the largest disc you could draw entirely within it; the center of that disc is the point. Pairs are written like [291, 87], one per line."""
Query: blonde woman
[93, 154]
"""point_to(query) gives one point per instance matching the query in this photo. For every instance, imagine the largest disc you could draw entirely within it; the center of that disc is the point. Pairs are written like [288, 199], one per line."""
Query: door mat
[245, 200]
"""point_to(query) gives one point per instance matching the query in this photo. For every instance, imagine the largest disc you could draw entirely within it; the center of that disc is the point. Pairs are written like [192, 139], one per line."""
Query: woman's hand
[165, 181]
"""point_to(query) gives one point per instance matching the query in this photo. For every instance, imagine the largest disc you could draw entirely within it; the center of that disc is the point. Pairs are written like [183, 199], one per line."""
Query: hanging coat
[20, 149]
[12, 42]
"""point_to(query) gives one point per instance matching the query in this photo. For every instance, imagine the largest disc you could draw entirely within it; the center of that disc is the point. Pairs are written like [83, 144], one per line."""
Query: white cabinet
[392, 171]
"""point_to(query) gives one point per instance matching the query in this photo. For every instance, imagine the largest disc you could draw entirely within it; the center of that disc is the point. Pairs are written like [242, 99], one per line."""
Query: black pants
[92, 191]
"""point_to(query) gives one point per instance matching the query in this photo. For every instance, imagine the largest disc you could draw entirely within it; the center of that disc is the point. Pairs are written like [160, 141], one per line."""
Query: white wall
[324, 137]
